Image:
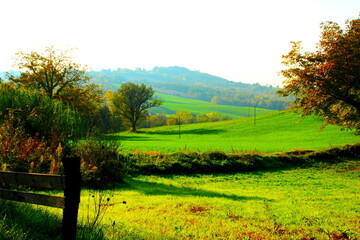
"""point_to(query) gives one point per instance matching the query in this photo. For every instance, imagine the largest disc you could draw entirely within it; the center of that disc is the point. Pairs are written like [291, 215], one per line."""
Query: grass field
[276, 131]
[319, 202]
[173, 103]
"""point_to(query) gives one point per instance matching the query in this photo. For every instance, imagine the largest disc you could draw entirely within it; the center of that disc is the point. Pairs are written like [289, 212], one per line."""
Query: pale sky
[234, 39]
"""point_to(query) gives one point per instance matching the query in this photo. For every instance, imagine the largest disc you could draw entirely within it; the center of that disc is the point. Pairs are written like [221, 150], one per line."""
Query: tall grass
[39, 114]
[30, 222]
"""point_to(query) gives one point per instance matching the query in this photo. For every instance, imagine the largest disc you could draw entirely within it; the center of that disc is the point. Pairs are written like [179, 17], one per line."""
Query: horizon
[235, 40]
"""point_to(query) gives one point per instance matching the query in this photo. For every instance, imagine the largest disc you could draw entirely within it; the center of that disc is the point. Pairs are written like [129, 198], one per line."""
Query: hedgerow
[220, 162]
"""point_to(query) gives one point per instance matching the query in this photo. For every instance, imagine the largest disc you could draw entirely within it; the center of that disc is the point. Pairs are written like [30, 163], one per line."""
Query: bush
[101, 163]
[21, 152]
[39, 115]
[33, 130]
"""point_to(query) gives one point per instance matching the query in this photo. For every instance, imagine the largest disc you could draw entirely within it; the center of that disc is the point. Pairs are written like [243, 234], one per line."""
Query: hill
[174, 103]
[276, 131]
[180, 81]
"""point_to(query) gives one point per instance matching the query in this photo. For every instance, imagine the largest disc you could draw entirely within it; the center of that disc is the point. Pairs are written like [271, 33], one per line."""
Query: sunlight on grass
[280, 131]
[319, 202]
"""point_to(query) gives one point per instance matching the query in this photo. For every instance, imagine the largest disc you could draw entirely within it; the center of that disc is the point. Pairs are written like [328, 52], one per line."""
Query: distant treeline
[183, 82]
[182, 117]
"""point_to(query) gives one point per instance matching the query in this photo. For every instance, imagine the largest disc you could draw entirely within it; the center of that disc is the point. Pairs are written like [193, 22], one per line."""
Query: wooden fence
[70, 183]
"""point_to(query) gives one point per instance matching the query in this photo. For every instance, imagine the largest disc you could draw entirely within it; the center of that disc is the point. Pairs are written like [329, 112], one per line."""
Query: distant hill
[180, 81]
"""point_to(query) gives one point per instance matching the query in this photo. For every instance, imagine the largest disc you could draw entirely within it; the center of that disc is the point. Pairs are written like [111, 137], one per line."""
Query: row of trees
[182, 117]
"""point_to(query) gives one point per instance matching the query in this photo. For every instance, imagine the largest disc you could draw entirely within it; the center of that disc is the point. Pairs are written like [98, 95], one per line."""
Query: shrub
[41, 116]
[220, 162]
[101, 163]
[33, 130]
[24, 153]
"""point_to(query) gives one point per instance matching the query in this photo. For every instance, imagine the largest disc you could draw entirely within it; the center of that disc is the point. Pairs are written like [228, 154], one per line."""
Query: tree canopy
[54, 73]
[131, 102]
[327, 82]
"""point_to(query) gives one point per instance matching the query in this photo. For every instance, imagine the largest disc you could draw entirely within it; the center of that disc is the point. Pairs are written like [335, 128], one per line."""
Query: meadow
[317, 202]
[271, 132]
[172, 104]
[313, 200]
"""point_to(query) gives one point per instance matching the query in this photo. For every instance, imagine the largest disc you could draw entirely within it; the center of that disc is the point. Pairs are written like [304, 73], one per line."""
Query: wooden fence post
[72, 197]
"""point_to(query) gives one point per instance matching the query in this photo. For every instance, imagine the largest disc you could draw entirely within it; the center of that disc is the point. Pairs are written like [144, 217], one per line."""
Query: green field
[276, 131]
[319, 202]
[173, 103]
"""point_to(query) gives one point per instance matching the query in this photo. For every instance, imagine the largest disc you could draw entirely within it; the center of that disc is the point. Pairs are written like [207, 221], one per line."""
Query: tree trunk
[133, 127]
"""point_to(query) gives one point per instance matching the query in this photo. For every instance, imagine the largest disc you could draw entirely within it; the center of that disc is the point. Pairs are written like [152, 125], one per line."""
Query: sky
[238, 40]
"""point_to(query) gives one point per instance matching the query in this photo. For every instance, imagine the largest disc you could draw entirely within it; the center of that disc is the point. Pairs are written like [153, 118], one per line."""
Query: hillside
[179, 81]
[174, 103]
[276, 131]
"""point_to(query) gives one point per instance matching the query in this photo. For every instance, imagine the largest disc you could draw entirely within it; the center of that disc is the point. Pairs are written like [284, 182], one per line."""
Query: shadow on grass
[126, 138]
[23, 221]
[144, 138]
[153, 188]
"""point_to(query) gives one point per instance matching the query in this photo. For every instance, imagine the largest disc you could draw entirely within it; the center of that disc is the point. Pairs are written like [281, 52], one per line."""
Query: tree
[54, 73]
[213, 117]
[327, 82]
[131, 102]
[202, 118]
[184, 117]
[157, 120]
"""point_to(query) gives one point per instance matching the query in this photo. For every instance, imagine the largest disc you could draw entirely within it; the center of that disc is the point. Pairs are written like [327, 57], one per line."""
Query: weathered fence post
[72, 197]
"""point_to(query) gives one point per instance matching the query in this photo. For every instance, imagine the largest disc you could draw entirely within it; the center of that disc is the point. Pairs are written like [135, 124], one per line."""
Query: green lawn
[320, 202]
[174, 103]
[277, 131]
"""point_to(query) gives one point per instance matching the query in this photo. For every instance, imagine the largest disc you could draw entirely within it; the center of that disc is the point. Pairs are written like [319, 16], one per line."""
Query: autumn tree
[157, 120]
[54, 73]
[131, 102]
[184, 117]
[326, 82]
[202, 118]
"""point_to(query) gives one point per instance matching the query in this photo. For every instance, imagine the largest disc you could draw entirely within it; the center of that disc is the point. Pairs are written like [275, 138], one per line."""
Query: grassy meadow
[172, 104]
[271, 132]
[318, 202]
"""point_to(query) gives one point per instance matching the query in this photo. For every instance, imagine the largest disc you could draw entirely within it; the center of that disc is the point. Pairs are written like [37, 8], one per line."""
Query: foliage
[108, 122]
[182, 117]
[101, 164]
[327, 82]
[156, 120]
[34, 129]
[220, 162]
[54, 73]
[131, 102]
[20, 152]
[39, 115]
